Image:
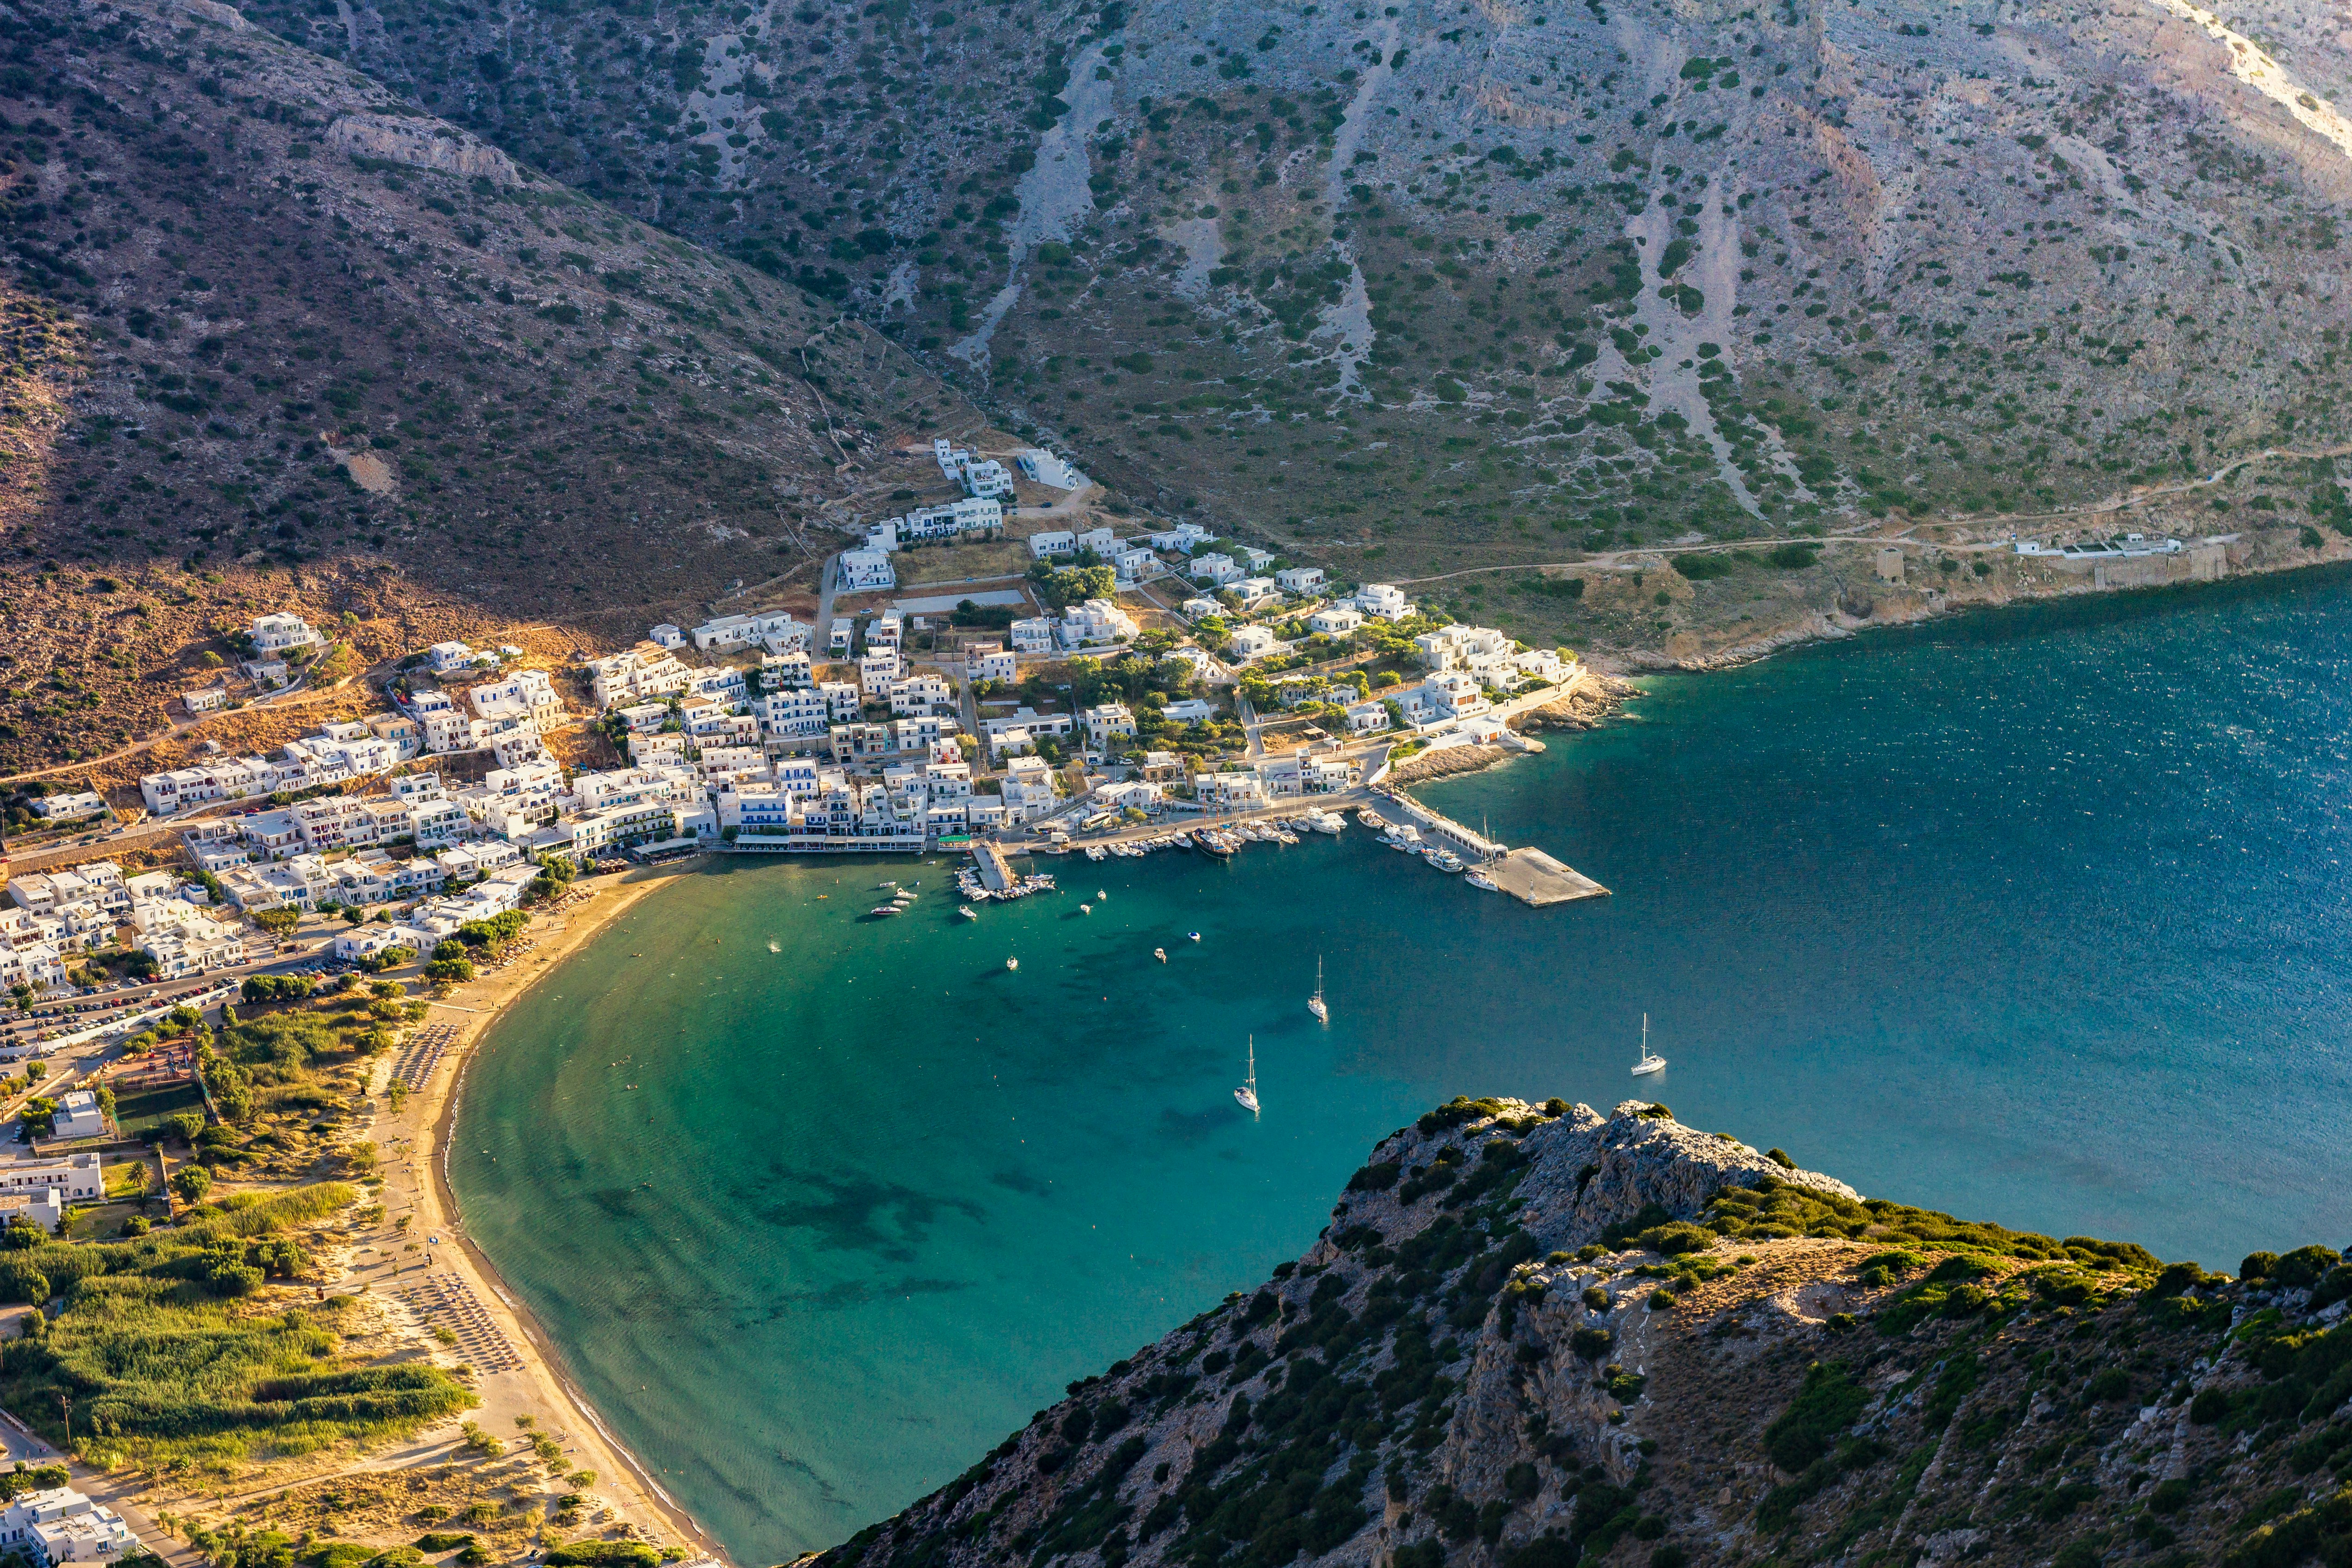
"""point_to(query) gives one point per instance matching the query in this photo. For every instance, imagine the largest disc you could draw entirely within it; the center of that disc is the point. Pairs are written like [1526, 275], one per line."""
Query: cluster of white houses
[58, 1525]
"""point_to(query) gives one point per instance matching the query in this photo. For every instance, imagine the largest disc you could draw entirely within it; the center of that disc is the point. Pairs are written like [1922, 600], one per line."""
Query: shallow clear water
[2035, 917]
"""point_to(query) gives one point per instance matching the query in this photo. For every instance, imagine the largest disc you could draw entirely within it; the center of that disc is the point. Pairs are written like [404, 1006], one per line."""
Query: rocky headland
[1534, 1336]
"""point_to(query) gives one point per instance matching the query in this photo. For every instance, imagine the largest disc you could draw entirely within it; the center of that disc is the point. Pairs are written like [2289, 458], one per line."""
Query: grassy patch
[168, 1358]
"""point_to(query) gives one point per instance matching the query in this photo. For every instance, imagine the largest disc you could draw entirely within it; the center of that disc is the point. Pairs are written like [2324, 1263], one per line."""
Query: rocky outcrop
[421, 144]
[1535, 1337]
[1582, 706]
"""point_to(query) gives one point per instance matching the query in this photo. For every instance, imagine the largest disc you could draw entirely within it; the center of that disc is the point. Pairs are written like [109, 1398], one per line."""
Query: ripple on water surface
[2034, 917]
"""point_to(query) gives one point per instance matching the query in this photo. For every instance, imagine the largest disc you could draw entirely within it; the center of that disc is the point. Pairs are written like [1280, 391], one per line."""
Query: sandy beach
[446, 1283]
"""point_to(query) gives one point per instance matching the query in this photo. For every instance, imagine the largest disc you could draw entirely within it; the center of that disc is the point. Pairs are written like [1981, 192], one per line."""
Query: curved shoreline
[434, 1109]
[534, 1331]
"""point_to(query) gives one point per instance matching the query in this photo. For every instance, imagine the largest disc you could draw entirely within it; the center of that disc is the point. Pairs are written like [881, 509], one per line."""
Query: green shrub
[2304, 1266]
[443, 1540]
[2109, 1385]
[2258, 1266]
[1823, 1409]
[605, 1555]
[1680, 1236]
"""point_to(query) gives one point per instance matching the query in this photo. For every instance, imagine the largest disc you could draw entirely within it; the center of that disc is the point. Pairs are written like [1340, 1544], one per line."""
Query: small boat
[1445, 859]
[1195, 936]
[1648, 1064]
[1013, 963]
[881, 884]
[1161, 954]
[1101, 897]
[1480, 880]
[1329, 822]
[1315, 1003]
[1247, 1093]
[1086, 909]
[884, 909]
[1094, 851]
[1367, 818]
[969, 912]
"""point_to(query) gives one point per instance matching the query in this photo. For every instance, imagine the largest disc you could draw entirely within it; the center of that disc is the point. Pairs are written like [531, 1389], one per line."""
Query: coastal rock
[1537, 1335]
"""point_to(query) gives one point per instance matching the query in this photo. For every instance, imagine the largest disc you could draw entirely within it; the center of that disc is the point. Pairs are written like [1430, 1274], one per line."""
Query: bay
[2035, 917]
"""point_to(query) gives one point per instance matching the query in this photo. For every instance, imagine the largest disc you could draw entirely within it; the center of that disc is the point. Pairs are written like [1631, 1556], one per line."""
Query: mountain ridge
[1536, 1335]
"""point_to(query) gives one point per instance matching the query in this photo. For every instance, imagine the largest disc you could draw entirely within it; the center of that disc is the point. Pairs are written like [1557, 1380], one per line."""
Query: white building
[69, 808]
[990, 662]
[1300, 579]
[282, 632]
[1133, 565]
[1043, 467]
[1183, 537]
[205, 699]
[1254, 642]
[865, 570]
[667, 635]
[921, 695]
[1382, 602]
[642, 672]
[1190, 710]
[1336, 621]
[78, 1115]
[1215, 568]
[78, 1177]
[777, 631]
[1368, 717]
[1096, 622]
[1230, 790]
[525, 694]
[1107, 722]
[448, 658]
[800, 712]
[1032, 634]
[59, 1526]
[937, 524]
[1051, 542]
[1459, 647]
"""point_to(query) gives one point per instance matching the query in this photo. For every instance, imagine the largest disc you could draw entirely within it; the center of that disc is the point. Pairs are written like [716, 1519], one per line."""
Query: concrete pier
[1530, 876]
[1534, 877]
[995, 870]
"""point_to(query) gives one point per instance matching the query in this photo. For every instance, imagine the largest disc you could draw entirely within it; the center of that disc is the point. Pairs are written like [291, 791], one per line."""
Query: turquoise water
[2036, 917]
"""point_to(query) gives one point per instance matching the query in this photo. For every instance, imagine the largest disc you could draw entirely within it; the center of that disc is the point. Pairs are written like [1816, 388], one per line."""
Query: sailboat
[1648, 1064]
[1247, 1093]
[1315, 1003]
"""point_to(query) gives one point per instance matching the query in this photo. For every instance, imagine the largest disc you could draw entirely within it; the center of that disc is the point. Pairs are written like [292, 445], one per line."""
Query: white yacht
[1315, 1003]
[1648, 1064]
[1247, 1093]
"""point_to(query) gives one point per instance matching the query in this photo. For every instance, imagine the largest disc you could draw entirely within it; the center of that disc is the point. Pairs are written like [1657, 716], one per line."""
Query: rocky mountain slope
[257, 307]
[1536, 1336]
[1495, 281]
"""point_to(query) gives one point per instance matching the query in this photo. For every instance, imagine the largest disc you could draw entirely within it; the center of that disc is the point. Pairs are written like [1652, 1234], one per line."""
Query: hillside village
[1164, 673]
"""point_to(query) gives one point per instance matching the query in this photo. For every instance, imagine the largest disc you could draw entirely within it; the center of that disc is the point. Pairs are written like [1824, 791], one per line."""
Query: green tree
[192, 1182]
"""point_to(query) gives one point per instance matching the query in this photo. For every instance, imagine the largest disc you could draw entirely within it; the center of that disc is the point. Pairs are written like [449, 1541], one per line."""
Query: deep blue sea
[2037, 917]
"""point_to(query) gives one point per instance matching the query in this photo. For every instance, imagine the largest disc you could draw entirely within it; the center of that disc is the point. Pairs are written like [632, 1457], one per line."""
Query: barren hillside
[261, 305]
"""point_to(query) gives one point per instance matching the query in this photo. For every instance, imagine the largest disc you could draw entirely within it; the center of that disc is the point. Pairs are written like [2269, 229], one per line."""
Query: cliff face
[1533, 1336]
